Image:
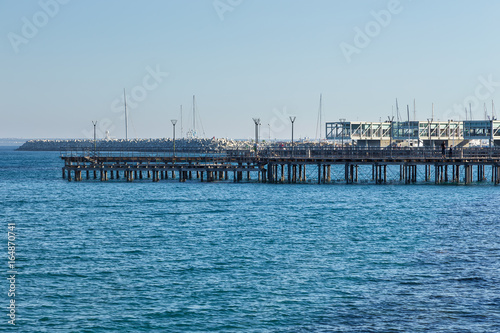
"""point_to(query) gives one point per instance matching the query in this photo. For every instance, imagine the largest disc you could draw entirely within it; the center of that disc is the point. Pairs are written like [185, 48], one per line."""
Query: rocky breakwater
[135, 144]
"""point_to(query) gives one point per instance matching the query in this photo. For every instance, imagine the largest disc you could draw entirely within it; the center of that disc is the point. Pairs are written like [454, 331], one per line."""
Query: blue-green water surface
[222, 257]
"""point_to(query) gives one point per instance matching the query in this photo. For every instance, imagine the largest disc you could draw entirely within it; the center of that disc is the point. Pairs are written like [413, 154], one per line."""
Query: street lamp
[95, 141]
[391, 119]
[292, 119]
[342, 121]
[257, 123]
[174, 121]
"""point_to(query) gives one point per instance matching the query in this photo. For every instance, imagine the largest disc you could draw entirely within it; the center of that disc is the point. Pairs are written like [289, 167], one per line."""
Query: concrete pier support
[319, 173]
[346, 173]
[466, 174]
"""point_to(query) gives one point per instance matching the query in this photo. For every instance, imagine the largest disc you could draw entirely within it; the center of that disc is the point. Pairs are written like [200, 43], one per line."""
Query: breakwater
[119, 144]
[160, 144]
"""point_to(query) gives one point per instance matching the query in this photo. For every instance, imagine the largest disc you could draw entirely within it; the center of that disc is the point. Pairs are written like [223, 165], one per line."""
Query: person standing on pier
[443, 149]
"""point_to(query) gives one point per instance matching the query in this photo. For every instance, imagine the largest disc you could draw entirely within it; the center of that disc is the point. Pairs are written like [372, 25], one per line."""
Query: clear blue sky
[242, 59]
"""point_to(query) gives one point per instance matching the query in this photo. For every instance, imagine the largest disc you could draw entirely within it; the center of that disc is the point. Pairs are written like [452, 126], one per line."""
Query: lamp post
[95, 140]
[174, 121]
[292, 120]
[257, 123]
[342, 121]
[391, 119]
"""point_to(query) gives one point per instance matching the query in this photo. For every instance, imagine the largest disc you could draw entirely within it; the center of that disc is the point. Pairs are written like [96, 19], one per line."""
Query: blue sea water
[222, 257]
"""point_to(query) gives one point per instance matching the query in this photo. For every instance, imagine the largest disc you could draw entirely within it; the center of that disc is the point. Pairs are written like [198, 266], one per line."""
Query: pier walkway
[288, 165]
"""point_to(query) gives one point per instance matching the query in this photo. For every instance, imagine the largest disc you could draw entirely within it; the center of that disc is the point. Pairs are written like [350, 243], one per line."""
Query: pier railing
[302, 152]
[378, 153]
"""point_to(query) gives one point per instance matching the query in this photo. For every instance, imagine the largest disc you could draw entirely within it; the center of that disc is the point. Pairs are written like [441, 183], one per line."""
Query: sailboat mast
[320, 114]
[126, 115]
[194, 114]
[181, 121]
[397, 111]
[414, 110]
[319, 120]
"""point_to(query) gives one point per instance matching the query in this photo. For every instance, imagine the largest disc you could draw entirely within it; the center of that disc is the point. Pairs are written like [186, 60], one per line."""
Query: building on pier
[414, 133]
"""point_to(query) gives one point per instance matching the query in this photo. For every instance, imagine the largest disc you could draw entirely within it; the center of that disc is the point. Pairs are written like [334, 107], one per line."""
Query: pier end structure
[428, 133]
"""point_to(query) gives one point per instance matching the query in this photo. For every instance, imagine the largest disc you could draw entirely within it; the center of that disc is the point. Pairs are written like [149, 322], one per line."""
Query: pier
[315, 164]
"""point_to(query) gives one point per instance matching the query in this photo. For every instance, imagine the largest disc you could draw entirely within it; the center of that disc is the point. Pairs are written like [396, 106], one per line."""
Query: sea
[114, 256]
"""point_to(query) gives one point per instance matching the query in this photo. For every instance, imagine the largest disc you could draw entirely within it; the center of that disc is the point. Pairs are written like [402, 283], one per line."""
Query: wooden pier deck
[298, 165]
